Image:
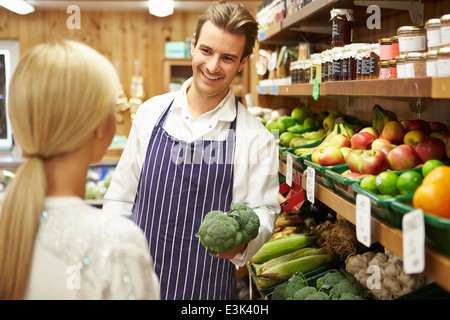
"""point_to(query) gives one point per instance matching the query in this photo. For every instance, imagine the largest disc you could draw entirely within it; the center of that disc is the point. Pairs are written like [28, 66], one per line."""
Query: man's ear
[192, 44]
[243, 62]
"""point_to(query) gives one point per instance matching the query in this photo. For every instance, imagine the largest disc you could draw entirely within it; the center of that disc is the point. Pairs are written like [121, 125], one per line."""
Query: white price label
[289, 162]
[310, 184]
[413, 227]
[363, 222]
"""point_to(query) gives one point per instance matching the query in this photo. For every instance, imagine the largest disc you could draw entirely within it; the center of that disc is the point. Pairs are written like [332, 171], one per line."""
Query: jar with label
[365, 63]
[337, 63]
[395, 48]
[316, 67]
[433, 27]
[385, 49]
[384, 69]
[401, 60]
[294, 71]
[307, 67]
[445, 30]
[325, 62]
[415, 65]
[431, 64]
[374, 58]
[342, 26]
[411, 39]
[392, 69]
[443, 63]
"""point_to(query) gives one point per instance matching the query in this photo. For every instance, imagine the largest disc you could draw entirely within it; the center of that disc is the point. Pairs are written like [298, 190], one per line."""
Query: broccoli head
[295, 283]
[302, 293]
[278, 291]
[221, 232]
[329, 280]
[349, 296]
[319, 295]
[347, 285]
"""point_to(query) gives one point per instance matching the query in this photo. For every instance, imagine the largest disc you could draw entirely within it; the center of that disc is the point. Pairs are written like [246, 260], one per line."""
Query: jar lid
[415, 56]
[435, 22]
[394, 38]
[401, 57]
[392, 62]
[385, 41]
[431, 54]
[443, 51]
[445, 17]
[342, 12]
[383, 63]
[409, 29]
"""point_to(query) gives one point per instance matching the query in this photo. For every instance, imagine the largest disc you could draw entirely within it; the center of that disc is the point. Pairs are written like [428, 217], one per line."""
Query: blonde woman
[53, 245]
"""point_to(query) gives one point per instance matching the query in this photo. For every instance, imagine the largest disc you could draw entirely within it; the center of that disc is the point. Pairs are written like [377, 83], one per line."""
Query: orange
[432, 195]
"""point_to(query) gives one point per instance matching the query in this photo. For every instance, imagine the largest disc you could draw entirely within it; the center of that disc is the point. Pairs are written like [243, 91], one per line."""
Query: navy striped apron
[180, 183]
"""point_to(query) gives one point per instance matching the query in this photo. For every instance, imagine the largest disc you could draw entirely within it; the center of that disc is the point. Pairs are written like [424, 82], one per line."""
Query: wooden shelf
[437, 266]
[437, 88]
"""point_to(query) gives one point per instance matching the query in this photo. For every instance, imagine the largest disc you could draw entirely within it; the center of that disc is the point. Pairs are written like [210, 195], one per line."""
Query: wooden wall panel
[120, 36]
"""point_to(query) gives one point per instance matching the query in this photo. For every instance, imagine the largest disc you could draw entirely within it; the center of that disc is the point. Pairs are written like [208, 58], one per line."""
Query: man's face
[216, 59]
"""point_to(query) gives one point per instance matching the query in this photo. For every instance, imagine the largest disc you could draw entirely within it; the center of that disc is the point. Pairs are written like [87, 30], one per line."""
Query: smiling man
[196, 150]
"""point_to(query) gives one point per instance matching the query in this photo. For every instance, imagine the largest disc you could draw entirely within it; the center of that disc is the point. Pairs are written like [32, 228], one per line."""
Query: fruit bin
[437, 230]
[342, 185]
[321, 177]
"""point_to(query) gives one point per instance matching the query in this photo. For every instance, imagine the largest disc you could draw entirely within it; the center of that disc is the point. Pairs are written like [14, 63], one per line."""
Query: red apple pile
[400, 146]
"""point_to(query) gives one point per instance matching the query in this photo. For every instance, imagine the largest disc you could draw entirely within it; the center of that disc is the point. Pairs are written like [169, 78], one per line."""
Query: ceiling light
[160, 8]
[17, 6]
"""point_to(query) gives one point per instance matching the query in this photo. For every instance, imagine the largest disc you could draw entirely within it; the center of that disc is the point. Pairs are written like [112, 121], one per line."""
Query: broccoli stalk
[221, 232]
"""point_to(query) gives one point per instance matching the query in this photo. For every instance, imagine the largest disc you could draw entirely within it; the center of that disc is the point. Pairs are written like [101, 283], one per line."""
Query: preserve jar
[416, 65]
[431, 64]
[433, 27]
[443, 63]
[445, 30]
[392, 69]
[411, 39]
[395, 48]
[374, 58]
[342, 26]
[400, 59]
[337, 61]
[384, 69]
[385, 49]
[316, 67]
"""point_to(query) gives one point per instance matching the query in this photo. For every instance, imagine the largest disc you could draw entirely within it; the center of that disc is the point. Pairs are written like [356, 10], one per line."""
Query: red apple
[387, 148]
[346, 151]
[330, 156]
[362, 140]
[373, 162]
[371, 130]
[418, 124]
[353, 160]
[353, 175]
[404, 123]
[431, 148]
[393, 131]
[413, 137]
[403, 157]
[315, 155]
[441, 135]
[340, 141]
[377, 143]
[436, 126]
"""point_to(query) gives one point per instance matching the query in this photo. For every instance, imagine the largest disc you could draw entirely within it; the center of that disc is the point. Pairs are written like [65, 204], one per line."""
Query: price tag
[315, 93]
[363, 222]
[289, 162]
[413, 227]
[310, 184]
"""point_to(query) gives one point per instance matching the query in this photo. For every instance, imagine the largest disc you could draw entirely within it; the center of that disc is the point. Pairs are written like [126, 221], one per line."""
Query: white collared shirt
[256, 157]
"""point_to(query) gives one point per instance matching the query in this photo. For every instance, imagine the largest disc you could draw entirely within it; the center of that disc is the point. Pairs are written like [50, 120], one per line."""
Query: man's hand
[230, 254]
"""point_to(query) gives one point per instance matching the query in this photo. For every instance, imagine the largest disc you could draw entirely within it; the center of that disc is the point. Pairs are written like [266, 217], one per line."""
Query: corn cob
[285, 270]
[282, 245]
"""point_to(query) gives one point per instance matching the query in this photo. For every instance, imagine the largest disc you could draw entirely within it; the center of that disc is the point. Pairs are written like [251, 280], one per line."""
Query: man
[194, 151]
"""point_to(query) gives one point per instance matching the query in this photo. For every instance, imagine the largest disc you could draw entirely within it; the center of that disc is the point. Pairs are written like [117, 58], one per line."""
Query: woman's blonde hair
[60, 92]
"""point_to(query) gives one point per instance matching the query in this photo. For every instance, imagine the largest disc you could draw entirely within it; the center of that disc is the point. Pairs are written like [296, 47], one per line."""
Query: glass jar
[365, 63]
[395, 48]
[374, 59]
[431, 65]
[411, 39]
[445, 30]
[325, 62]
[293, 70]
[416, 65]
[316, 67]
[307, 68]
[401, 61]
[384, 69]
[443, 63]
[392, 69]
[337, 63]
[342, 26]
[433, 27]
[385, 49]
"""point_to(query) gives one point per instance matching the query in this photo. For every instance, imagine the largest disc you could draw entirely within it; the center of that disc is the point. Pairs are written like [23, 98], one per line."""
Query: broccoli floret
[295, 283]
[347, 285]
[304, 292]
[278, 292]
[319, 295]
[329, 280]
[350, 296]
[221, 232]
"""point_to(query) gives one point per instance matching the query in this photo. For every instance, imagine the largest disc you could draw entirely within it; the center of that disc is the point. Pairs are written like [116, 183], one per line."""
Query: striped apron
[180, 183]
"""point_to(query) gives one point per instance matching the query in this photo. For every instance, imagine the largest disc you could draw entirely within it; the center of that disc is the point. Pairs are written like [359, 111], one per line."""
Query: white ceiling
[124, 5]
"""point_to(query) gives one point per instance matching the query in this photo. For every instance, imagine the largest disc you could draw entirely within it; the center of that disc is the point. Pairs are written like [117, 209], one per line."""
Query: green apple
[276, 126]
[300, 114]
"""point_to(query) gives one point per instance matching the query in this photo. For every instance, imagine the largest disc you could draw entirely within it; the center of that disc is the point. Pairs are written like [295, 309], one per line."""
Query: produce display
[98, 180]
[220, 231]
